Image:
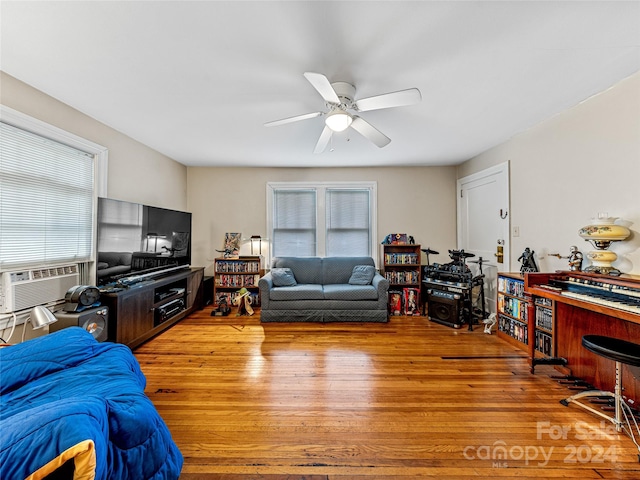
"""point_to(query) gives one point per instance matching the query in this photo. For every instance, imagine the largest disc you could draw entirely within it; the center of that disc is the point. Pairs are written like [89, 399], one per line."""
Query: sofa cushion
[339, 269]
[305, 269]
[362, 275]
[301, 291]
[350, 292]
[283, 277]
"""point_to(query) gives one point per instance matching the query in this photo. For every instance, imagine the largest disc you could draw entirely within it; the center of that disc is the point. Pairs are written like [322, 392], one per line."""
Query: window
[47, 194]
[329, 219]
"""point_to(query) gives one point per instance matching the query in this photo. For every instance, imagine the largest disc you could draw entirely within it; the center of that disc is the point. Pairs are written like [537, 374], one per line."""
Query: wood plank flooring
[345, 401]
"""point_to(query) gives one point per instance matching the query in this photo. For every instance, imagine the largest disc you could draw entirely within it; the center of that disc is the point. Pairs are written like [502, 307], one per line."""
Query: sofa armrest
[264, 285]
[382, 285]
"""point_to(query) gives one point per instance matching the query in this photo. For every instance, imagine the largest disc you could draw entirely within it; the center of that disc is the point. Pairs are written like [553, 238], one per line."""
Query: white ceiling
[197, 80]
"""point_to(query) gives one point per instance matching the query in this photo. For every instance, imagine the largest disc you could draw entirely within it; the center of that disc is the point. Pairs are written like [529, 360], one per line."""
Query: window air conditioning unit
[22, 289]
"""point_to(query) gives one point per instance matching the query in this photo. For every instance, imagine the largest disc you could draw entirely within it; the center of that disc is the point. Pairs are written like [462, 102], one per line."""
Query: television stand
[145, 309]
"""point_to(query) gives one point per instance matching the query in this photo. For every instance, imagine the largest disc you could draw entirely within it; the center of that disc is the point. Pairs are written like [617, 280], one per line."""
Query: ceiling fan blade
[389, 100]
[323, 141]
[369, 132]
[297, 118]
[323, 86]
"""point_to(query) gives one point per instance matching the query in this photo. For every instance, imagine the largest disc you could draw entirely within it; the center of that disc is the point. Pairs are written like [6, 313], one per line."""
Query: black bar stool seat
[613, 348]
[620, 351]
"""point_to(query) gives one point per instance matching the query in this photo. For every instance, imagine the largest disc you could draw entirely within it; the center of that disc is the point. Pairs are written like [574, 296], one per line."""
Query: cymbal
[459, 253]
[428, 251]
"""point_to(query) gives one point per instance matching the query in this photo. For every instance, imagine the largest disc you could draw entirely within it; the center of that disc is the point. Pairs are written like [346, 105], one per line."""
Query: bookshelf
[543, 328]
[513, 325]
[232, 274]
[402, 269]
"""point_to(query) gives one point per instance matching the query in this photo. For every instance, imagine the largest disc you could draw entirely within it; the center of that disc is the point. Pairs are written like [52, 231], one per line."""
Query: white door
[483, 225]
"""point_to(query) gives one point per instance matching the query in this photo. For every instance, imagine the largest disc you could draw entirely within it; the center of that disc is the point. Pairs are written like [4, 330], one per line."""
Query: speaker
[207, 291]
[93, 320]
[444, 307]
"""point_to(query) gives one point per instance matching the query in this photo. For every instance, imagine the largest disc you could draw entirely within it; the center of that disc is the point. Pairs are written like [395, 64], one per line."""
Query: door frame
[501, 171]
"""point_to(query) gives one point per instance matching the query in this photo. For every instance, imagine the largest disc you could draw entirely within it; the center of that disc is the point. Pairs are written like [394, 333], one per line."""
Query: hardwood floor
[401, 400]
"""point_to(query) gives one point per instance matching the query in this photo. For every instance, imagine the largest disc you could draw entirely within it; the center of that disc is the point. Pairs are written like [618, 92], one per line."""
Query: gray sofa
[321, 291]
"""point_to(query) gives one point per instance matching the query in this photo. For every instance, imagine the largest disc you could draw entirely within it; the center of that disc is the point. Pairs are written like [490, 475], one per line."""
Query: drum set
[454, 295]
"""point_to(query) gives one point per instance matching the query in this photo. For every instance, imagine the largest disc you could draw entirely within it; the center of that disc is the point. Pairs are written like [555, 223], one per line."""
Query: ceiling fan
[340, 102]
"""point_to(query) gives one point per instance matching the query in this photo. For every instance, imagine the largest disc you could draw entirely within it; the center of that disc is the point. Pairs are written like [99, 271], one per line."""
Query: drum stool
[620, 351]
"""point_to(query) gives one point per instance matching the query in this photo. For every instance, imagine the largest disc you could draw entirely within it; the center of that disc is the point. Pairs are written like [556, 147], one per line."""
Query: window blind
[46, 201]
[294, 223]
[347, 223]
[324, 219]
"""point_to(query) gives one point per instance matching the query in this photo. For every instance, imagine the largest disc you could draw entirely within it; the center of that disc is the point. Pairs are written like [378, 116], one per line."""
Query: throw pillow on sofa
[283, 277]
[362, 275]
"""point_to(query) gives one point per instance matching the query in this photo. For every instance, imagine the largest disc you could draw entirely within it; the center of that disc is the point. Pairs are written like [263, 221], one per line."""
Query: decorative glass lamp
[601, 233]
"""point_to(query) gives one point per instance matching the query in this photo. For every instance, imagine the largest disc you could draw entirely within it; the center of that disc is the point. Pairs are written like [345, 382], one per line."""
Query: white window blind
[46, 200]
[328, 219]
[294, 223]
[348, 222]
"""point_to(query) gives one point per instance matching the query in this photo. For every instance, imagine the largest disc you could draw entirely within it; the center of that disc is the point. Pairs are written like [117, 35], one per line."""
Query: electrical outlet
[516, 231]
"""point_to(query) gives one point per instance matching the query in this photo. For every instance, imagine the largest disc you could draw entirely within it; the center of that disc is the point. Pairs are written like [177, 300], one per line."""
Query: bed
[71, 404]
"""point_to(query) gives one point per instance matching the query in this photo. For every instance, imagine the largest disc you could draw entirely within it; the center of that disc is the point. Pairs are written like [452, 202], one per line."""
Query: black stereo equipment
[80, 298]
[93, 320]
[445, 307]
[168, 310]
[449, 289]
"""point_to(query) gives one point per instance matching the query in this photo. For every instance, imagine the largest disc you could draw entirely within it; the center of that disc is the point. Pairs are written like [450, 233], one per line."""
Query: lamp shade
[604, 230]
[601, 233]
[41, 317]
[338, 120]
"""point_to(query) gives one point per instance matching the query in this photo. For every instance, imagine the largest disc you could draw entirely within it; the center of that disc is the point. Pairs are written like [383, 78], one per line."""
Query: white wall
[569, 168]
[137, 173]
[419, 201]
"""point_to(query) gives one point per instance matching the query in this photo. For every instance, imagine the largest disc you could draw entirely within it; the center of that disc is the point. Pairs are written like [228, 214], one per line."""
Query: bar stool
[620, 351]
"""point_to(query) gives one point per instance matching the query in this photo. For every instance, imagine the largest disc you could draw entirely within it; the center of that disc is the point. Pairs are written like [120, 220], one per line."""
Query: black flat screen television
[134, 239]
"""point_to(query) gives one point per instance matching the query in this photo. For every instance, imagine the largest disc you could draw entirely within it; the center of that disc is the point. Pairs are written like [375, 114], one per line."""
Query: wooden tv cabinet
[145, 309]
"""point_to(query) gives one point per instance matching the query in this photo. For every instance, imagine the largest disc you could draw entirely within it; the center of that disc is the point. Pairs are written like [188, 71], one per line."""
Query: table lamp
[601, 233]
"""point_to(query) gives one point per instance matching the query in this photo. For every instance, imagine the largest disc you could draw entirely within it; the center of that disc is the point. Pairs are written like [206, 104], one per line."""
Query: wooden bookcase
[525, 321]
[543, 326]
[232, 274]
[512, 309]
[402, 269]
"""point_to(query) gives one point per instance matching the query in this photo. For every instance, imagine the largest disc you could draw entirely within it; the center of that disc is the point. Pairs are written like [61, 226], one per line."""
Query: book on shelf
[544, 344]
[512, 306]
[236, 280]
[514, 328]
[544, 318]
[237, 266]
[229, 297]
[400, 258]
[511, 286]
[402, 276]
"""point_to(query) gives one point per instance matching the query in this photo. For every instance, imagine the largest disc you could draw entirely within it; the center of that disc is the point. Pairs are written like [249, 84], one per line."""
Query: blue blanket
[66, 397]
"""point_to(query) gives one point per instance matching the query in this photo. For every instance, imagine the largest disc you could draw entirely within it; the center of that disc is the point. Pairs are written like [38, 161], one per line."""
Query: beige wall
[419, 201]
[570, 167]
[557, 179]
[137, 173]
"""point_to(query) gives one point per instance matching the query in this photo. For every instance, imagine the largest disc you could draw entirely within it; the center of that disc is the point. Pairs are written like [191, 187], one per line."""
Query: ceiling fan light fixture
[338, 120]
